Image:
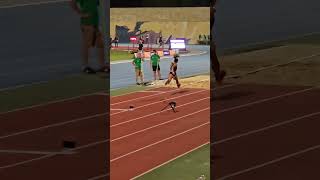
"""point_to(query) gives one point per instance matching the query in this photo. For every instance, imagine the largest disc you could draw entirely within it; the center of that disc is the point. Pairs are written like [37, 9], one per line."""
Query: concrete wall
[180, 22]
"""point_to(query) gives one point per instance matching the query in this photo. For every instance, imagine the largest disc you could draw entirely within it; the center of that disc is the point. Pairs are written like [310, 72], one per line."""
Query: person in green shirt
[137, 63]
[91, 35]
[154, 63]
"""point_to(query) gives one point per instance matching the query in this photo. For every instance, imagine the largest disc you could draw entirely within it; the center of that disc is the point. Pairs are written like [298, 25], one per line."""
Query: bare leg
[137, 76]
[154, 75]
[169, 79]
[159, 74]
[177, 81]
[215, 62]
[85, 46]
[141, 76]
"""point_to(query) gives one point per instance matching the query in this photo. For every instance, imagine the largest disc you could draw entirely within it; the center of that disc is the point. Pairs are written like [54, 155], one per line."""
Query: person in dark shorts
[91, 35]
[116, 41]
[140, 44]
[215, 65]
[160, 41]
[173, 72]
[155, 64]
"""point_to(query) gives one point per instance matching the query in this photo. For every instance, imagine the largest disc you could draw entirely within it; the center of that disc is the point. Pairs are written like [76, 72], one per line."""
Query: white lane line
[167, 162]
[103, 114]
[99, 177]
[77, 97]
[99, 142]
[50, 102]
[273, 66]
[161, 101]
[57, 124]
[74, 149]
[53, 154]
[151, 91]
[11, 151]
[53, 125]
[161, 124]
[32, 4]
[158, 142]
[265, 128]
[102, 94]
[213, 89]
[155, 113]
[264, 100]
[270, 162]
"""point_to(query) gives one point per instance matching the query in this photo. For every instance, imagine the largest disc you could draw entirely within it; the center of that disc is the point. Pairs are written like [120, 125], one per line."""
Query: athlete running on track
[215, 65]
[173, 72]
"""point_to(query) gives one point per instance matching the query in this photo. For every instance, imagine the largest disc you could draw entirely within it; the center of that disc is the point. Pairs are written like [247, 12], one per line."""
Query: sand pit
[201, 81]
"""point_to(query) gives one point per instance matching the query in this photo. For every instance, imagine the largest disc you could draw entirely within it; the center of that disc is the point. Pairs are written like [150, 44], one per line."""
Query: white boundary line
[58, 124]
[265, 128]
[99, 142]
[289, 38]
[112, 109]
[161, 101]
[276, 65]
[213, 89]
[102, 94]
[52, 155]
[11, 151]
[151, 91]
[158, 142]
[270, 162]
[167, 162]
[98, 115]
[263, 100]
[152, 127]
[50, 102]
[84, 95]
[32, 4]
[141, 117]
[52, 125]
[99, 177]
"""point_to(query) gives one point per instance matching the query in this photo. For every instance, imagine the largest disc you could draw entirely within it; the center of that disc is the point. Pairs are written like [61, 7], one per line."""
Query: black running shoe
[89, 70]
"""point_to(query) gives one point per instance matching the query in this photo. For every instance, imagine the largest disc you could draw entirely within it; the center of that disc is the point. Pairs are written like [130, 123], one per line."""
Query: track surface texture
[145, 137]
[265, 132]
[38, 133]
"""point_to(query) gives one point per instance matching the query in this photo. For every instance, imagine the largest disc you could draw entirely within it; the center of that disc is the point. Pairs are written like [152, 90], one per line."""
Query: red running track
[265, 132]
[145, 138]
[42, 128]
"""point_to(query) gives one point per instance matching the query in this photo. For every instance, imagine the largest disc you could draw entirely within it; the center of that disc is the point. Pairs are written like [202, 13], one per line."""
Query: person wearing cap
[173, 71]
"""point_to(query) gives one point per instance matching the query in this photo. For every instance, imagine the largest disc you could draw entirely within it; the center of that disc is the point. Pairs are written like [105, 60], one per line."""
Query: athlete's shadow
[230, 95]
